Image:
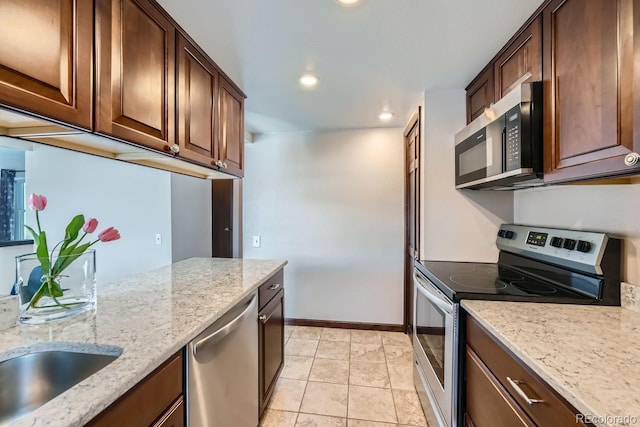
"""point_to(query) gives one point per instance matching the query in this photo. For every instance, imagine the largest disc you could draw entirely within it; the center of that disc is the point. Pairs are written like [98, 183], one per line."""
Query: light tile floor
[345, 378]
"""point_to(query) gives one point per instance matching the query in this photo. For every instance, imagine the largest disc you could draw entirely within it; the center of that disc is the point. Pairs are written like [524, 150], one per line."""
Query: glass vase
[44, 298]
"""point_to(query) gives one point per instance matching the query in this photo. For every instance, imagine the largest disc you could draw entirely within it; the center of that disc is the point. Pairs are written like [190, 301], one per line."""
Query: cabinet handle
[516, 387]
[631, 159]
[262, 318]
[175, 148]
[274, 287]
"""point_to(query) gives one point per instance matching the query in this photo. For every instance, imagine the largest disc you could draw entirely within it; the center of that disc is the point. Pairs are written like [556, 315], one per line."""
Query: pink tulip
[90, 226]
[37, 202]
[109, 235]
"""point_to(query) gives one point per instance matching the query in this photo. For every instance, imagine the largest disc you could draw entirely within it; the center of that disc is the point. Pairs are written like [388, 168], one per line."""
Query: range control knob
[508, 234]
[569, 244]
[556, 242]
[500, 233]
[584, 246]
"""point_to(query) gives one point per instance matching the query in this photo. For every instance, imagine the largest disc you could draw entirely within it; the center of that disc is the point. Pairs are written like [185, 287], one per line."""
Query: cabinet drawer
[488, 404]
[552, 411]
[270, 288]
[148, 400]
[174, 417]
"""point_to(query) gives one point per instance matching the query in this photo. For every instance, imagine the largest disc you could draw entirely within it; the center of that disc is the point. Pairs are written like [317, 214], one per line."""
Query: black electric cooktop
[470, 280]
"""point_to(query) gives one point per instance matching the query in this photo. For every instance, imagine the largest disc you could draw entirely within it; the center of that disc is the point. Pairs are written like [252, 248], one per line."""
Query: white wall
[456, 225]
[134, 199]
[332, 204]
[190, 217]
[609, 208]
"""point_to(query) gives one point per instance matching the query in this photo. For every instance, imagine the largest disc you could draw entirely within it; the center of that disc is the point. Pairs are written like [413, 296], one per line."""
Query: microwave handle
[437, 300]
[504, 149]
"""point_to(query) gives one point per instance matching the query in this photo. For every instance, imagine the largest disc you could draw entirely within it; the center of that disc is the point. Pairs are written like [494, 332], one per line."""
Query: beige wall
[610, 208]
[332, 204]
[134, 199]
[456, 225]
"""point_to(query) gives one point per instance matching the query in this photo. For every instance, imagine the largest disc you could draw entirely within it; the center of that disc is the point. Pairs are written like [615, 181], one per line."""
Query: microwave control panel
[513, 131]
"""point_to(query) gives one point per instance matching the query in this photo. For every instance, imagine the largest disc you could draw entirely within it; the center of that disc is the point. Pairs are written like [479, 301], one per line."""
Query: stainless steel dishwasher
[222, 370]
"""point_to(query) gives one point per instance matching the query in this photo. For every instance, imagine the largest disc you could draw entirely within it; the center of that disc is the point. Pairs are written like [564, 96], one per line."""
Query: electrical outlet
[256, 241]
[158, 239]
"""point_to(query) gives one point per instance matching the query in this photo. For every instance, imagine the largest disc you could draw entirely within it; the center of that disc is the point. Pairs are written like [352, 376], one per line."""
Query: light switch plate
[256, 241]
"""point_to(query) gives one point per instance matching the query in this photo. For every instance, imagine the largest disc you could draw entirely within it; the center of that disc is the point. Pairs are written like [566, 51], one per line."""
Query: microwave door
[480, 155]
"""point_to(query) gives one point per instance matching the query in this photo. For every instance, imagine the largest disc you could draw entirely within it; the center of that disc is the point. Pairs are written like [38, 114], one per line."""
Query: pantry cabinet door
[136, 73]
[46, 51]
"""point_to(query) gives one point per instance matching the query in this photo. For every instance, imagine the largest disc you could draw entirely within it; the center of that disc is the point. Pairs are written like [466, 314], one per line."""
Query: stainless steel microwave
[502, 149]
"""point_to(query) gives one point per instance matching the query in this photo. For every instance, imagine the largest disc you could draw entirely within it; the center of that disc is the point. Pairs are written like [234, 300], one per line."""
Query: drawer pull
[516, 387]
[274, 287]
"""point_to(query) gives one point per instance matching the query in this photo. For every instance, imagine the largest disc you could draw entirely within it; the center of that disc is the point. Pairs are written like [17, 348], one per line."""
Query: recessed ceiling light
[308, 80]
[385, 115]
[347, 2]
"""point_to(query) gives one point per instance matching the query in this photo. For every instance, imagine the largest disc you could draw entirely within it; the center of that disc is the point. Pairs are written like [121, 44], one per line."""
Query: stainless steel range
[535, 264]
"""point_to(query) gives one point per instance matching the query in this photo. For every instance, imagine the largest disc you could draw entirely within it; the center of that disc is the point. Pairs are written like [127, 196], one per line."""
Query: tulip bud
[37, 202]
[109, 235]
[90, 226]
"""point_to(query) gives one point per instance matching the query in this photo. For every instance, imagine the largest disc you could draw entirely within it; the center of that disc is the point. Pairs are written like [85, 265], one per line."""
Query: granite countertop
[150, 316]
[589, 354]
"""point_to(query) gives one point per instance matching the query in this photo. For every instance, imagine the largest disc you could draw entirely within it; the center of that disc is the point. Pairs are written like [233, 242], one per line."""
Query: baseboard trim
[344, 325]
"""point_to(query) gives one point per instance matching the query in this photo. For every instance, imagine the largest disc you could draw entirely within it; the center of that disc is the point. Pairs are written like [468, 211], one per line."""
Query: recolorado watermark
[624, 420]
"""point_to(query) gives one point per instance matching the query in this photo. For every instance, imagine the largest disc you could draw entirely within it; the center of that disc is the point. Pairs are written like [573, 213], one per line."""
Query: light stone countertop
[150, 316]
[589, 354]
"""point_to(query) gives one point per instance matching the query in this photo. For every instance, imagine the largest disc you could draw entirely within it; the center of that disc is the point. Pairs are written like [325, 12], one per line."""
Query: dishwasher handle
[213, 338]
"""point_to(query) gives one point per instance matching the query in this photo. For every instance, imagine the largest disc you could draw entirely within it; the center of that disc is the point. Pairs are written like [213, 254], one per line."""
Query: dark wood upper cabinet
[588, 76]
[196, 102]
[521, 61]
[135, 54]
[480, 94]
[231, 124]
[46, 51]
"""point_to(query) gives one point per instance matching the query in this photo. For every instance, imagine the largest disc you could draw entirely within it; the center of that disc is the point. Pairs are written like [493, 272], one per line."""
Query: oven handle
[436, 299]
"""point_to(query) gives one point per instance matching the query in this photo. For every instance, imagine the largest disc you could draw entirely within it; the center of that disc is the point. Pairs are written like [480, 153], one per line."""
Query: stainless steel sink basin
[31, 380]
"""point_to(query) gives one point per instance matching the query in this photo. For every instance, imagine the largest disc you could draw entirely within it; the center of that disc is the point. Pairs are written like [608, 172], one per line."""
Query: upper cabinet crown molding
[47, 59]
[192, 119]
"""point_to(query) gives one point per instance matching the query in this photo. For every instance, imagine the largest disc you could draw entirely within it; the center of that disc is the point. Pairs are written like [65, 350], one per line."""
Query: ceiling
[374, 54]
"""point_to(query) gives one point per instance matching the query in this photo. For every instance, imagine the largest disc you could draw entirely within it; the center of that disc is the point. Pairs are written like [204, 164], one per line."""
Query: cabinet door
[271, 343]
[480, 94]
[588, 72]
[521, 62]
[135, 46]
[488, 404]
[197, 89]
[231, 145]
[46, 49]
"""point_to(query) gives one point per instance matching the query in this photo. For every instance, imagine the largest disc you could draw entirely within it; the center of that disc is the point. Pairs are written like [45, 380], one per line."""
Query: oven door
[433, 343]
[481, 155]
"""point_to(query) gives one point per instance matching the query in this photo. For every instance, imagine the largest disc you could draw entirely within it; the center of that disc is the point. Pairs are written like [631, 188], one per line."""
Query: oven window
[430, 330]
[473, 159]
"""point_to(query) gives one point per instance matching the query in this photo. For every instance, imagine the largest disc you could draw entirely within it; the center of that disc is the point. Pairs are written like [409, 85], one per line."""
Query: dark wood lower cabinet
[496, 383]
[155, 401]
[271, 339]
[488, 403]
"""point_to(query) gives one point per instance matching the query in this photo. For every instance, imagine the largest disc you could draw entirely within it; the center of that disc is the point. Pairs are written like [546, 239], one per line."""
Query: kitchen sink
[30, 380]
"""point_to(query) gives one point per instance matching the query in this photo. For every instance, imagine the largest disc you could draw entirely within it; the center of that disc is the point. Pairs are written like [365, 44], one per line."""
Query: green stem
[36, 297]
[38, 222]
